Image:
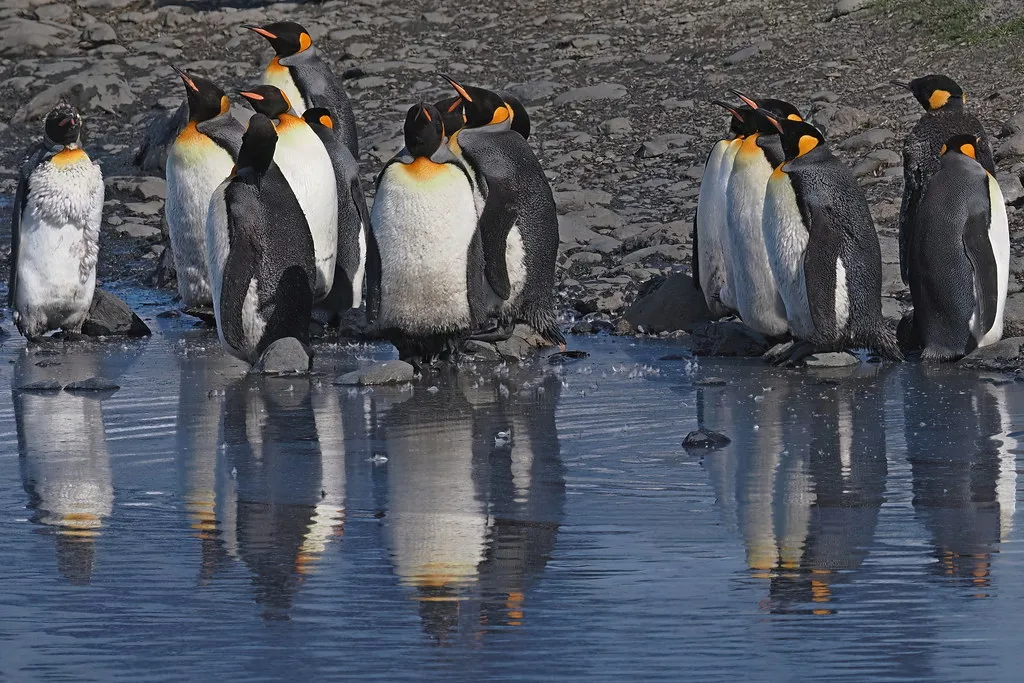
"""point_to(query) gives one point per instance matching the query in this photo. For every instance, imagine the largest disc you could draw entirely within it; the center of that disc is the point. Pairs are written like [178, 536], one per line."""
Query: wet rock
[705, 440]
[1013, 126]
[41, 386]
[92, 384]
[110, 316]
[25, 38]
[748, 52]
[711, 382]
[138, 230]
[727, 338]
[601, 91]
[481, 351]
[564, 356]
[287, 356]
[388, 372]
[1005, 355]
[831, 360]
[676, 305]
[876, 137]
[522, 344]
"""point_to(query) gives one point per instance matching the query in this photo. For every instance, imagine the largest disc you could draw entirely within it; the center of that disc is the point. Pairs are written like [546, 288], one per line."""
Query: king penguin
[452, 111]
[757, 297]
[308, 168]
[425, 268]
[200, 157]
[55, 232]
[353, 216]
[943, 100]
[308, 81]
[263, 271]
[711, 261]
[959, 253]
[823, 248]
[519, 223]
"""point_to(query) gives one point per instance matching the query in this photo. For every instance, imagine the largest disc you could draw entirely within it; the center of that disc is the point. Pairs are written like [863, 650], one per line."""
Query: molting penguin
[959, 253]
[823, 248]
[425, 268]
[711, 261]
[453, 112]
[751, 283]
[945, 117]
[519, 224]
[263, 272]
[200, 157]
[353, 216]
[308, 168]
[306, 78]
[55, 230]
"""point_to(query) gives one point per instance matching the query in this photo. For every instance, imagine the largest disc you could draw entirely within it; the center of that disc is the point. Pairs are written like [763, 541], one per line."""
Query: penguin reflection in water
[823, 250]
[959, 256]
[55, 231]
[262, 270]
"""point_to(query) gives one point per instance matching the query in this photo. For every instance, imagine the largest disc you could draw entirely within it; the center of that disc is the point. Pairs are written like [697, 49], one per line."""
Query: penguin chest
[710, 223]
[424, 218]
[786, 237]
[280, 76]
[999, 239]
[307, 167]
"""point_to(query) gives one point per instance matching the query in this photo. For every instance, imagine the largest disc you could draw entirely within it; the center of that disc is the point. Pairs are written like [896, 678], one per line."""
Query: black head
[482, 107]
[452, 113]
[935, 91]
[63, 125]
[319, 116]
[205, 99]
[962, 144]
[267, 100]
[424, 130]
[798, 137]
[286, 37]
[742, 122]
[258, 144]
[776, 107]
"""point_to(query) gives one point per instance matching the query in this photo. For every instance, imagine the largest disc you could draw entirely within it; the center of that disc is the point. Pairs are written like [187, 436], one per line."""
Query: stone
[616, 126]
[837, 122]
[748, 52]
[676, 305]
[388, 372]
[1013, 315]
[138, 230]
[652, 149]
[727, 338]
[876, 137]
[831, 360]
[110, 316]
[43, 385]
[481, 351]
[1011, 147]
[92, 384]
[844, 7]
[534, 91]
[1005, 355]
[53, 13]
[705, 440]
[1011, 187]
[1013, 126]
[99, 87]
[25, 38]
[286, 356]
[99, 34]
[601, 91]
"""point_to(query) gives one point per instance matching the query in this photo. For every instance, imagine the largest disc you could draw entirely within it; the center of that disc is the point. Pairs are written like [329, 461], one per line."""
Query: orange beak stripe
[263, 32]
[458, 88]
[251, 96]
[455, 105]
[427, 114]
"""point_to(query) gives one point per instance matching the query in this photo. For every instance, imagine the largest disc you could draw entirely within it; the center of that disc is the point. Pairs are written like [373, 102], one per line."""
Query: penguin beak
[729, 108]
[260, 30]
[746, 100]
[900, 84]
[251, 96]
[424, 113]
[458, 88]
[185, 78]
[774, 121]
[454, 105]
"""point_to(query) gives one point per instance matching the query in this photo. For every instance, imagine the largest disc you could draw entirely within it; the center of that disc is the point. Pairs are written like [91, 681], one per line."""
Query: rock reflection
[65, 464]
[803, 480]
[964, 471]
[475, 491]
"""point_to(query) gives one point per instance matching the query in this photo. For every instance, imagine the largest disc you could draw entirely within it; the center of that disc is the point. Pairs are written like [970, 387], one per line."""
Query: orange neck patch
[288, 122]
[276, 67]
[68, 156]
[423, 168]
[191, 135]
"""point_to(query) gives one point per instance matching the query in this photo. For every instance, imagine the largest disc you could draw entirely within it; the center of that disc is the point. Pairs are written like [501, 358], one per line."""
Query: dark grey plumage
[321, 87]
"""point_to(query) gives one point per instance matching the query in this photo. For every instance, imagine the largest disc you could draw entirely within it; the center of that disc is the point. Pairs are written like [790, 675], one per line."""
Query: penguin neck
[954, 105]
[292, 60]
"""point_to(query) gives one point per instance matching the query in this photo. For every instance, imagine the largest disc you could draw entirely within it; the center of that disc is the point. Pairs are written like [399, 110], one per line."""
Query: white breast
[59, 246]
[281, 78]
[727, 294]
[786, 241]
[711, 216]
[307, 167]
[999, 238]
[423, 227]
[196, 165]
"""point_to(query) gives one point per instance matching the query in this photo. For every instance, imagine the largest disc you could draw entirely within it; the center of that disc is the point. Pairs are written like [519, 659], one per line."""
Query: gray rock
[285, 356]
[522, 344]
[705, 440]
[616, 126]
[1013, 126]
[844, 7]
[92, 384]
[139, 230]
[601, 91]
[53, 13]
[1011, 147]
[481, 351]
[534, 91]
[652, 149]
[866, 167]
[837, 122]
[875, 137]
[748, 52]
[1004, 355]
[25, 38]
[99, 87]
[1011, 187]
[831, 360]
[388, 372]
[145, 188]
[728, 338]
[676, 305]
[109, 316]
[43, 385]
[99, 34]
[1013, 315]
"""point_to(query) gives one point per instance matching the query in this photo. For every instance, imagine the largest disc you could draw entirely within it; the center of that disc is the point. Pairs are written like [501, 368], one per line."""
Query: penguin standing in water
[943, 100]
[306, 78]
[55, 231]
[519, 224]
[263, 272]
[757, 297]
[308, 168]
[711, 261]
[425, 269]
[453, 113]
[823, 248]
[198, 160]
[353, 216]
[959, 255]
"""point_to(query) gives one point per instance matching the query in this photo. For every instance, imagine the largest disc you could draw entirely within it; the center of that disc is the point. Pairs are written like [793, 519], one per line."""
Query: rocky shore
[617, 94]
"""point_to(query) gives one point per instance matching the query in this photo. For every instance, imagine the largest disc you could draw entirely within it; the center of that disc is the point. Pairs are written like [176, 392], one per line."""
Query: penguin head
[267, 100]
[935, 91]
[286, 37]
[776, 107]
[63, 125]
[453, 114]
[742, 123]
[258, 144]
[798, 137]
[424, 130]
[481, 107]
[318, 116]
[961, 144]
[205, 99]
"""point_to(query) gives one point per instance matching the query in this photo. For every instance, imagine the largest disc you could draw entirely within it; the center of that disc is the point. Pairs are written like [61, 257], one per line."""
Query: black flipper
[823, 248]
[373, 277]
[495, 224]
[239, 270]
[983, 261]
[475, 282]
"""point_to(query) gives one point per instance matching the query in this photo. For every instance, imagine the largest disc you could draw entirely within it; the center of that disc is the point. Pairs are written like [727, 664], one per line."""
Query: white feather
[282, 78]
[710, 224]
[999, 237]
[786, 237]
[842, 299]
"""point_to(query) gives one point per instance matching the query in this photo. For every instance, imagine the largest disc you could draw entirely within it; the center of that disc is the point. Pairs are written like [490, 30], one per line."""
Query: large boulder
[287, 356]
[1006, 355]
[111, 317]
[676, 305]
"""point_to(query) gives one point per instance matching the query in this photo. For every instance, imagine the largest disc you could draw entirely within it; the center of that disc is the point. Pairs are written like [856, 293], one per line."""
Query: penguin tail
[884, 342]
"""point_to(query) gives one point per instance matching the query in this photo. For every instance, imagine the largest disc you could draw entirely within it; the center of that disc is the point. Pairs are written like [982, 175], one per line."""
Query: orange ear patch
[305, 42]
[794, 117]
[969, 150]
[500, 114]
[806, 144]
[225, 104]
[938, 99]
[325, 121]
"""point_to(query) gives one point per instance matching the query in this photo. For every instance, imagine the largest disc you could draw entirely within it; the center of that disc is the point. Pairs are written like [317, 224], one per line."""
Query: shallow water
[505, 522]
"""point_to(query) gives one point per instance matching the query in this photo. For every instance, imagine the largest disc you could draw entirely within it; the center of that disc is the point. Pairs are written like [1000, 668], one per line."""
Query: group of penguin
[783, 236]
[269, 226]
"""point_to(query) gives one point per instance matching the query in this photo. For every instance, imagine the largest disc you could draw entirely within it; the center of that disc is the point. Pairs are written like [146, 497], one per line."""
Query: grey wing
[20, 202]
[373, 278]
[226, 131]
[823, 248]
[908, 208]
[475, 279]
[983, 261]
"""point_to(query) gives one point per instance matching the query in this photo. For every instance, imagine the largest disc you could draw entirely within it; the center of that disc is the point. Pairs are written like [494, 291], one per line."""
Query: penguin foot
[796, 355]
[778, 351]
[493, 335]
